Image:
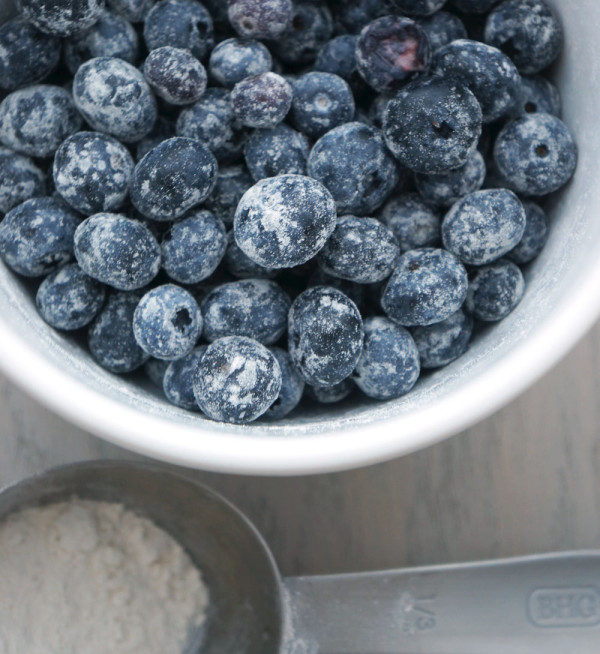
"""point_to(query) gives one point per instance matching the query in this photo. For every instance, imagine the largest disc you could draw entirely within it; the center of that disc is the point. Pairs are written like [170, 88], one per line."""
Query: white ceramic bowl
[561, 303]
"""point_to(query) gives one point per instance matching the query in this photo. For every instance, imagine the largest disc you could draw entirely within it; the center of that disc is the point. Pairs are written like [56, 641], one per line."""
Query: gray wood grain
[526, 480]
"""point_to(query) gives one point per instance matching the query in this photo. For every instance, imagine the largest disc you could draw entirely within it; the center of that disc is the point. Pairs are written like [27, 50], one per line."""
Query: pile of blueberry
[259, 200]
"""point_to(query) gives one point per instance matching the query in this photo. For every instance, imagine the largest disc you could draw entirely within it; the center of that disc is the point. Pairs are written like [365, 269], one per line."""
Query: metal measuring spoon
[546, 604]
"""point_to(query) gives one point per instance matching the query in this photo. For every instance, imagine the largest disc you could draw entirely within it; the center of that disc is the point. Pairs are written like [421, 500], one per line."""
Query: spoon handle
[548, 604]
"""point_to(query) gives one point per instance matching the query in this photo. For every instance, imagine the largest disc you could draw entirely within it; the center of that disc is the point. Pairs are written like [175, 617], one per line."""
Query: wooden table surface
[526, 480]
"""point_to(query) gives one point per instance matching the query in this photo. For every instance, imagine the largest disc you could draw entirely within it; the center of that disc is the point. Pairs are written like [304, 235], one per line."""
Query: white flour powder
[84, 577]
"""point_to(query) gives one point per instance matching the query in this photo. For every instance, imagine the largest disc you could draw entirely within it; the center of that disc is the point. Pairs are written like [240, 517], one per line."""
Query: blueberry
[428, 286]
[356, 292]
[131, 10]
[353, 163]
[447, 188]
[257, 19]
[36, 237]
[413, 223]
[321, 102]
[418, 7]
[92, 172]
[284, 221]
[391, 51]
[443, 342]
[114, 97]
[536, 154]
[232, 183]
[167, 322]
[338, 56]
[111, 36]
[261, 100]
[237, 380]
[475, 6]
[163, 129]
[61, 17]
[256, 308]
[325, 335]
[37, 119]
[487, 72]
[211, 121]
[155, 370]
[377, 109]
[20, 180]
[69, 299]
[233, 60]
[26, 54]
[310, 28]
[117, 251]
[181, 24]
[353, 15]
[484, 226]
[280, 150]
[110, 338]
[534, 237]
[175, 176]
[178, 379]
[175, 75]
[240, 265]
[432, 125]
[528, 31]
[331, 394]
[495, 291]
[389, 364]
[193, 247]
[538, 95]
[443, 28]
[292, 387]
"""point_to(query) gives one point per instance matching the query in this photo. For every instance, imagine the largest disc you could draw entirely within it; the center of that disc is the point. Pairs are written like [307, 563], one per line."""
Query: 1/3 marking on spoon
[564, 607]
[416, 613]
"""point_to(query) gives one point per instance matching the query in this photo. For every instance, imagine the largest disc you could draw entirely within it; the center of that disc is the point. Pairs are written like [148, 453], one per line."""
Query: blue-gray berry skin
[433, 125]
[475, 6]
[155, 370]
[175, 75]
[256, 19]
[20, 180]
[445, 189]
[338, 56]
[134, 11]
[321, 102]
[110, 337]
[535, 154]
[163, 129]
[280, 150]
[69, 299]
[310, 28]
[110, 36]
[232, 183]
[240, 265]
[92, 171]
[356, 292]
[488, 73]
[484, 226]
[211, 121]
[389, 364]
[61, 17]
[354, 164]
[36, 120]
[443, 28]
[360, 250]
[495, 290]
[353, 15]
[528, 31]
[391, 51]
[283, 221]
[538, 95]
[235, 59]
[443, 342]
[292, 387]
[414, 223]
[418, 7]
[193, 247]
[117, 251]
[261, 100]
[36, 237]
[534, 237]
[428, 286]
[331, 394]
[325, 335]
[167, 322]
[181, 24]
[178, 379]
[237, 380]
[173, 178]
[114, 97]
[256, 308]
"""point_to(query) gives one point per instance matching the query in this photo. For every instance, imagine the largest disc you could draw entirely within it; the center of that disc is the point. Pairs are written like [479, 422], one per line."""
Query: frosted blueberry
[155, 370]
[353, 15]
[284, 221]
[117, 251]
[443, 28]
[237, 380]
[261, 100]
[428, 286]
[175, 75]
[356, 292]
[292, 387]
[193, 247]
[443, 342]
[36, 237]
[167, 322]
[310, 28]
[418, 7]
[331, 394]
[232, 183]
[61, 17]
[69, 299]
[534, 237]
[20, 180]
[280, 150]
[257, 19]
[131, 10]
[338, 56]
[495, 290]
[538, 95]
[163, 129]
[414, 223]
[240, 265]
[235, 59]
[325, 335]
[91, 172]
[178, 379]
[173, 178]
